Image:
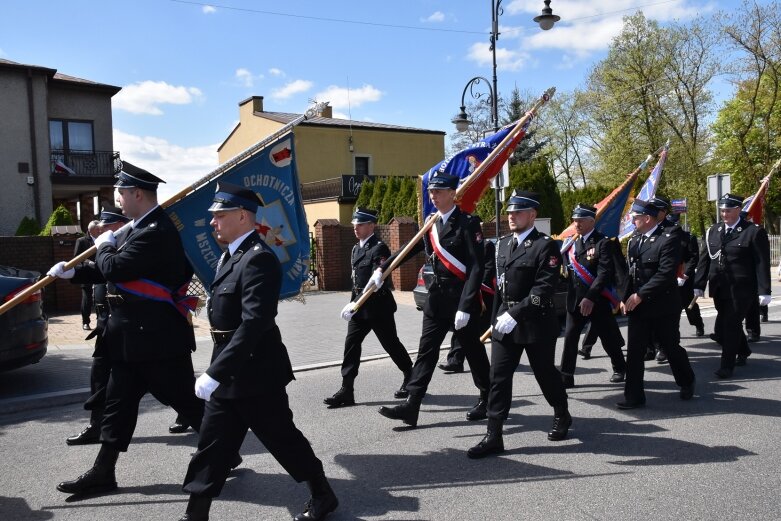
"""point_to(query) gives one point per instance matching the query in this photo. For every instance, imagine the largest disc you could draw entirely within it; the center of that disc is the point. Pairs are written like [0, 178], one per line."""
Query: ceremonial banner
[647, 192]
[465, 162]
[281, 221]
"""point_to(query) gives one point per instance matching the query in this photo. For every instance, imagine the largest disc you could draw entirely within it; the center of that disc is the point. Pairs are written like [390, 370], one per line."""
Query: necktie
[727, 232]
[223, 259]
[640, 244]
[514, 244]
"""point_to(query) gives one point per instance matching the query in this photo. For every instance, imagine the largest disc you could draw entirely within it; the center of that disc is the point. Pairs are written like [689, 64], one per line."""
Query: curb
[43, 400]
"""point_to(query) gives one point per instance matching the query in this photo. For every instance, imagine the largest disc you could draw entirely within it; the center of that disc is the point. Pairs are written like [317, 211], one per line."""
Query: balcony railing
[75, 163]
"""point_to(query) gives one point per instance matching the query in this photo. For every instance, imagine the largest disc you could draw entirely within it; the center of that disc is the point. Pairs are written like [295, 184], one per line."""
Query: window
[71, 136]
[362, 165]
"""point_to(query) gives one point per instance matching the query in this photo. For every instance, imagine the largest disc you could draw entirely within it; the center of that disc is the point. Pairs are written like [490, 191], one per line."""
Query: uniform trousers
[170, 381]
[385, 329]
[729, 329]
[505, 357]
[602, 323]
[99, 376]
[432, 334]
[694, 316]
[86, 303]
[225, 424]
[641, 329]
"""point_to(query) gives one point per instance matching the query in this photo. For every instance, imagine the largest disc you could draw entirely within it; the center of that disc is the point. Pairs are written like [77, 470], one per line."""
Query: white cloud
[178, 166]
[339, 98]
[245, 77]
[435, 17]
[209, 9]
[276, 72]
[506, 59]
[292, 88]
[146, 96]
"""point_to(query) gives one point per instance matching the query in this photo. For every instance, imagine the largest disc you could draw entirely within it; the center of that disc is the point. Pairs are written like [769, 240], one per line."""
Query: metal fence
[775, 250]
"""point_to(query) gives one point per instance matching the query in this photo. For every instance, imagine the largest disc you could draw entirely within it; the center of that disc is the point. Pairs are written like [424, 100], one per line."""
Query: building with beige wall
[334, 155]
[56, 144]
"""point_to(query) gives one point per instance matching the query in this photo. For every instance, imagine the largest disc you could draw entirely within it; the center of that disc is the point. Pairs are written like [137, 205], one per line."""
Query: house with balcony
[56, 144]
[334, 156]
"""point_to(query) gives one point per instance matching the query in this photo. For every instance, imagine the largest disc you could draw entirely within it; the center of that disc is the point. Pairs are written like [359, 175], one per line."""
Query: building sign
[351, 185]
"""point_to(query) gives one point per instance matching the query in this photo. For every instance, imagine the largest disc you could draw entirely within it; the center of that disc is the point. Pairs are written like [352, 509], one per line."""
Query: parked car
[426, 273]
[24, 329]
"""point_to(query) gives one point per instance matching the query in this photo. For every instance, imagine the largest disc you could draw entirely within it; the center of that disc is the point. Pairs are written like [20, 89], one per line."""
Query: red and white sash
[453, 265]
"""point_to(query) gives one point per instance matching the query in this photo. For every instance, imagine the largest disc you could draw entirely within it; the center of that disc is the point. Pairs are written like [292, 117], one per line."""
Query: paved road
[715, 457]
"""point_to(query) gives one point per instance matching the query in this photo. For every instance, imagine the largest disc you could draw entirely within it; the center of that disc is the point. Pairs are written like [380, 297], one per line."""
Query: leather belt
[221, 337]
[511, 303]
[114, 300]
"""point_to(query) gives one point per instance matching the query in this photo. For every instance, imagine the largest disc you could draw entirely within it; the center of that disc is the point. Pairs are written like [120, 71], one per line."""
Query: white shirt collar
[134, 222]
[233, 246]
[520, 237]
[362, 242]
[651, 231]
[585, 237]
[447, 215]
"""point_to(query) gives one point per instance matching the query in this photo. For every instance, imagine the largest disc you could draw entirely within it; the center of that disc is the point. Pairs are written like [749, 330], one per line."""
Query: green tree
[407, 201]
[28, 226]
[388, 204]
[59, 217]
[365, 195]
[375, 202]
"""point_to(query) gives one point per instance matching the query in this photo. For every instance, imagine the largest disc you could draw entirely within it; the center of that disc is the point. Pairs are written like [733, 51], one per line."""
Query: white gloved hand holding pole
[505, 323]
[59, 271]
[205, 385]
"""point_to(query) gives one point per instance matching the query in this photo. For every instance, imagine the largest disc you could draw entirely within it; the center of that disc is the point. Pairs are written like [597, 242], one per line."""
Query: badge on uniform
[652, 239]
[553, 261]
[527, 243]
[590, 254]
[535, 299]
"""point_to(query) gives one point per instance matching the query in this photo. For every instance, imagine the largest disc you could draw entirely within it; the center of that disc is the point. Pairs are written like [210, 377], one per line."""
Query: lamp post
[546, 19]
[462, 121]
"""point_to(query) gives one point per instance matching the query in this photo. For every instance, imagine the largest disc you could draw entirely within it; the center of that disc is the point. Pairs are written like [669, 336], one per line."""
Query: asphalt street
[714, 457]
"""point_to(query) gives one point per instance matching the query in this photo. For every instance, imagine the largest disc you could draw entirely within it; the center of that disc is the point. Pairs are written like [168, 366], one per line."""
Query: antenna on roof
[350, 117]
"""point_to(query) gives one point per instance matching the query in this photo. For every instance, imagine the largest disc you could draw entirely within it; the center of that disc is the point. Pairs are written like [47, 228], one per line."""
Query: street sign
[718, 185]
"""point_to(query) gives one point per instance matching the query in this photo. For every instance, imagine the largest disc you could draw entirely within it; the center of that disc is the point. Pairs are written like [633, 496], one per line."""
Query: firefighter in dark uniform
[83, 244]
[148, 335]
[111, 218]
[456, 356]
[454, 246]
[591, 265]
[652, 302]
[691, 256]
[528, 264]
[735, 265]
[244, 386]
[375, 315]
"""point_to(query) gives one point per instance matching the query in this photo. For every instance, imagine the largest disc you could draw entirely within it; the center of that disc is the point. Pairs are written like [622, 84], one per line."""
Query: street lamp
[547, 18]
[462, 121]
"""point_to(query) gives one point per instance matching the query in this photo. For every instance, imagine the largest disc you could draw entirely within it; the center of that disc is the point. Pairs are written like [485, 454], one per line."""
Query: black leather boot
[492, 442]
[342, 398]
[179, 426]
[406, 412]
[561, 424]
[197, 508]
[322, 502]
[479, 411]
[403, 392]
[90, 434]
[100, 478]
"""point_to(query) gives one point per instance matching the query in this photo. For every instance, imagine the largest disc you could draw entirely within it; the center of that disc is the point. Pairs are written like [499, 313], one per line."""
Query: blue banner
[281, 222]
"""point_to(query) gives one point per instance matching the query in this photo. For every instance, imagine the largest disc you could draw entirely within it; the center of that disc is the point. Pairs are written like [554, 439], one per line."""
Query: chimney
[326, 112]
[257, 103]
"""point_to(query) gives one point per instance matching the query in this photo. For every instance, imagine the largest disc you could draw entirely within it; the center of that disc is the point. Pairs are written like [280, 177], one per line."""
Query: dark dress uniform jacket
[743, 272]
[652, 273]
[138, 328]
[597, 256]
[462, 237]
[526, 279]
[364, 261]
[245, 295]
[83, 244]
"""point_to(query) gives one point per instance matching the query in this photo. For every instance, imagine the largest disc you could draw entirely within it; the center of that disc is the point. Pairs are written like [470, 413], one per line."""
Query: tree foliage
[28, 226]
[59, 217]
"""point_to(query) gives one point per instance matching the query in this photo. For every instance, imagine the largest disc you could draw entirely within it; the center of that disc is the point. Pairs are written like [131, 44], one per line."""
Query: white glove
[106, 237]
[764, 300]
[205, 386]
[505, 323]
[58, 271]
[461, 320]
[347, 311]
[699, 293]
[376, 279]
[681, 281]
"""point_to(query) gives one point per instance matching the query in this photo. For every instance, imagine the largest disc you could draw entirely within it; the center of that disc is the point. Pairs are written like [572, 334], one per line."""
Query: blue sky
[184, 66]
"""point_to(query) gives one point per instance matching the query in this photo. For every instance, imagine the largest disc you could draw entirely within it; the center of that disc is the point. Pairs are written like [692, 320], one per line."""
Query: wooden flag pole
[468, 181]
[230, 163]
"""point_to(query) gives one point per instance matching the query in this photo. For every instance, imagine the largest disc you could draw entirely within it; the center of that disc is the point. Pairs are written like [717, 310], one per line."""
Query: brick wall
[39, 254]
[335, 243]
